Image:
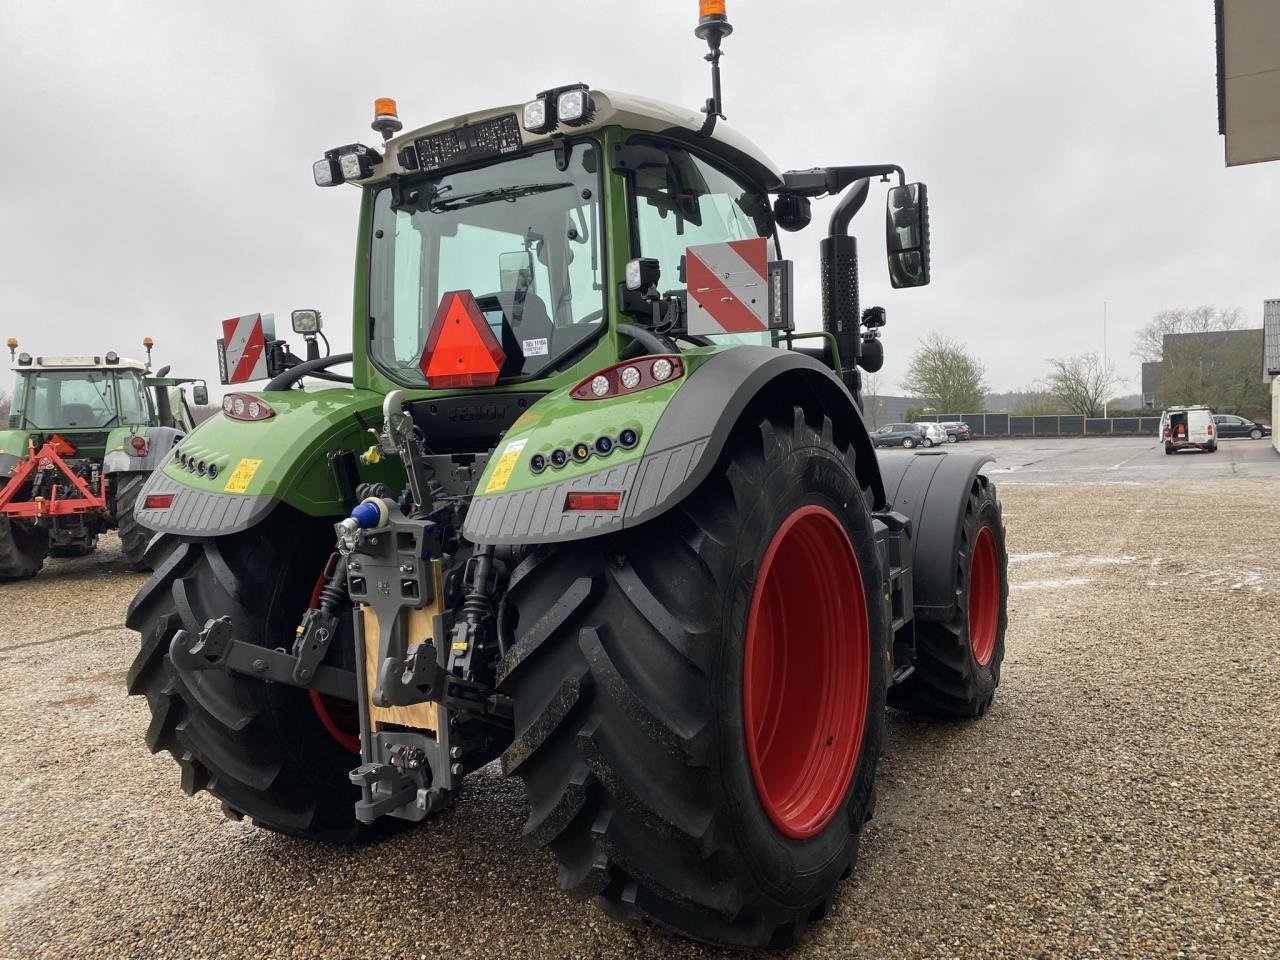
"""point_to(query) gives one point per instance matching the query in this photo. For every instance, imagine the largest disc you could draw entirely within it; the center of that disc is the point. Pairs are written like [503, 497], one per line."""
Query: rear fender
[684, 427]
[120, 459]
[932, 489]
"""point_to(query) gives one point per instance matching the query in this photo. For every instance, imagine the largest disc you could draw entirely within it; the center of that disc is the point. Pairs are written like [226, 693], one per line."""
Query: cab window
[690, 202]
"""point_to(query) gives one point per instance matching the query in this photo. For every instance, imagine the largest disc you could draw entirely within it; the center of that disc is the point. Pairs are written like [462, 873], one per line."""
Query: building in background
[1248, 44]
[1225, 369]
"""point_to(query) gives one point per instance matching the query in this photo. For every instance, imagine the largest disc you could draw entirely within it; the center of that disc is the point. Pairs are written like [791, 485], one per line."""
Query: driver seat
[527, 321]
[77, 414]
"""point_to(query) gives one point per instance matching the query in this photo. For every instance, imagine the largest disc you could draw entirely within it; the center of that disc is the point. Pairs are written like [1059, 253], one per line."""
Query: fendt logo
[488, 411]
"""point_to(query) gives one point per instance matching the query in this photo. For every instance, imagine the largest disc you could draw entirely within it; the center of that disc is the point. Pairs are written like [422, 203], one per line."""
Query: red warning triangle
[461, 350]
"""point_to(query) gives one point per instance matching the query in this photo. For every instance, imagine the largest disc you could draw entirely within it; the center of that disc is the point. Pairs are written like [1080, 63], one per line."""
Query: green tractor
[83, 435]
[592, 508]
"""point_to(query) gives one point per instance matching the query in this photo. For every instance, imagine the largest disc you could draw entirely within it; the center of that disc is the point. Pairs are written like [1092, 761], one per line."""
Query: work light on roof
[536, 116]
[355, 161]
[573, 106]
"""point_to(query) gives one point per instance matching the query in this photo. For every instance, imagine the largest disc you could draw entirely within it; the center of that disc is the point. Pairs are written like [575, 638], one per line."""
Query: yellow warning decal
[506, 464]
[238, 482]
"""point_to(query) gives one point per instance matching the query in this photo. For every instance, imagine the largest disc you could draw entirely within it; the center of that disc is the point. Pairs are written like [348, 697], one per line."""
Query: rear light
[1166, 433]
[139, 446]
[244, 406]
[158, 501]
[628, 377]
[1210, 429]
[593, 501]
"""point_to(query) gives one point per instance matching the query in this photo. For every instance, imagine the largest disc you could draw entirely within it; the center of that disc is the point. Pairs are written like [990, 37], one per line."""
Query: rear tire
[134, 537]
[952, 438]
[958, 660]
[23, 548]
[260, 748]
[628, 664]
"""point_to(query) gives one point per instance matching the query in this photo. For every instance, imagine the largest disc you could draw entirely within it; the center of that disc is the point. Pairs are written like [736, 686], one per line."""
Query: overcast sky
[156, 156]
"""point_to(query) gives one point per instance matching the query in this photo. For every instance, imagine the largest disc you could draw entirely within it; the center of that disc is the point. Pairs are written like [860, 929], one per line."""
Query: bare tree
[1082, 383]
[4, 408]
[945, 376]
[1035, 400]
[1149, 344]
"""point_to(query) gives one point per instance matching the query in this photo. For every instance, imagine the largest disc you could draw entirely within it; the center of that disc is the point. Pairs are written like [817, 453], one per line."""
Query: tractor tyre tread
[947, 680]
[134, 537]
[612, 667]
[258, 747]
[22, 550]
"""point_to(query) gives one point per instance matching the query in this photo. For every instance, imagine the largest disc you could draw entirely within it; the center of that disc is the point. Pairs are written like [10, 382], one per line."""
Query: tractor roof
[79, 363]
[612, 110]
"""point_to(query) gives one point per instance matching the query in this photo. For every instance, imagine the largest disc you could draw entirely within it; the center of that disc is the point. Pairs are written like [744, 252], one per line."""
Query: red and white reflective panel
[244, 347]
[728, 286]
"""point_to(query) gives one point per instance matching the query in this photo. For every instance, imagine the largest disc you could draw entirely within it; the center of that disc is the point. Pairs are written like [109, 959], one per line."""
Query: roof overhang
[1249, 79]
[611, 109]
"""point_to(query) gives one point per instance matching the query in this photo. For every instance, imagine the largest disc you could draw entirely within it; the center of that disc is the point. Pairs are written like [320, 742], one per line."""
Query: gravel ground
[1119, 800]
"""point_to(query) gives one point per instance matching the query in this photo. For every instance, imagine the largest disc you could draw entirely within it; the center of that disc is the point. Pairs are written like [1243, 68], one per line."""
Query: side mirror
[907, 235]
[200, 395]
[515, 272]
[306, 321]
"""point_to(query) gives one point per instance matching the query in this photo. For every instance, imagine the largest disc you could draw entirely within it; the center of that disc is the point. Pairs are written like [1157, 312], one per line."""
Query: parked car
[1185, 427]
[956, 430]
[934, 434]
[899, 435]
[1230, 426]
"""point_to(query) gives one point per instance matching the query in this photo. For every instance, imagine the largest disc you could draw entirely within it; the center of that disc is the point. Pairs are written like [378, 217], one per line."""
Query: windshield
[521, 235]
[78, 399]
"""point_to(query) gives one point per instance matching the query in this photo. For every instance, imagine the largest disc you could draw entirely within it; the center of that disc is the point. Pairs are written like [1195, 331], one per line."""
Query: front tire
[958, 660]
[1255, 434]
[260, 748]
[670, 768]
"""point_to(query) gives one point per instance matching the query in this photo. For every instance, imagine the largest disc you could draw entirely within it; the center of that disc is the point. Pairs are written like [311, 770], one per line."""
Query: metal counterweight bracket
[216, 648]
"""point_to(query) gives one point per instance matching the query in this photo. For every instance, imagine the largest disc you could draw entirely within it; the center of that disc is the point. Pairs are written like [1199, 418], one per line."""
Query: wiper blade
[501, 193]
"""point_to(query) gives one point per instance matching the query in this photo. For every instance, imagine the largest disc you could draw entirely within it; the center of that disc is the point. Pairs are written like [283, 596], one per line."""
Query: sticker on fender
[506, 464]
[238, 482]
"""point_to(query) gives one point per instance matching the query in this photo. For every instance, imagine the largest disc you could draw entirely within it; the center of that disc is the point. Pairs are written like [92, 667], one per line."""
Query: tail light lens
[158, 501]
[245, 406]
[138, 446]
[1210, 429]
[593, 501]
[629, 377]
[1166, 433]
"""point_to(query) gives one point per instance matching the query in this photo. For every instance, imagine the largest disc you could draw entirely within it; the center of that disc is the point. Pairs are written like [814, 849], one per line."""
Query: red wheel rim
[805, 672]
[984, 597]
[338, 717]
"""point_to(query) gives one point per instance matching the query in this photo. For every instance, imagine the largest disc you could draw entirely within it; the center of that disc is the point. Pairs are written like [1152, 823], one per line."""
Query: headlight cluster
[628, 377]
[571, 105]
[245, 406]
[355, 161]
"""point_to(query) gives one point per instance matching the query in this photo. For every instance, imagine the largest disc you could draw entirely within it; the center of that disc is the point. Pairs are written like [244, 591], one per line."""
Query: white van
[1182, 427]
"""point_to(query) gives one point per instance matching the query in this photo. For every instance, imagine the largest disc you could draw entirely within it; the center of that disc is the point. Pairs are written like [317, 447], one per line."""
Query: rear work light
[158, 501]
[628, 377]
[608, 502]
[244, 406]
